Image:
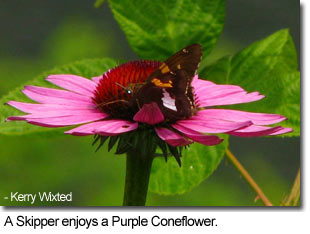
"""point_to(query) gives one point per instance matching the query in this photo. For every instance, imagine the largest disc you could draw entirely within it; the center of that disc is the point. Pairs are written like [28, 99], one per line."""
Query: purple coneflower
[100, 107]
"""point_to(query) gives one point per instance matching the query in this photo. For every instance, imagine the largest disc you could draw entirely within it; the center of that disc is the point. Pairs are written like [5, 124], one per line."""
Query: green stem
[294, 196]
[248, 178]
[138, 170]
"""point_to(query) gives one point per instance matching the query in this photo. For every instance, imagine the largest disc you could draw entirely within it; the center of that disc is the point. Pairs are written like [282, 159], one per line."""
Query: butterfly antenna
[122, 86]
[108, 103]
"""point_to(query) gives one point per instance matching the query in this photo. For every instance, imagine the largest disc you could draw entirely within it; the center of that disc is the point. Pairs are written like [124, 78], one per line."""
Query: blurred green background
[38, 35]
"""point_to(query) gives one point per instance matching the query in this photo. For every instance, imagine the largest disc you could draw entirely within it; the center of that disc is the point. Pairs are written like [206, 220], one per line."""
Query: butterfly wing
[187, 59]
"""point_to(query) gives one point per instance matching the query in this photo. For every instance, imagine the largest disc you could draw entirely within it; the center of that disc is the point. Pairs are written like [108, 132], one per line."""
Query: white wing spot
[168, 101]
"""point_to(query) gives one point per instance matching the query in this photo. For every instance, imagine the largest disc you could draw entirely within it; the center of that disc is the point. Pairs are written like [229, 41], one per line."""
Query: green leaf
[157, 29]
[198, 163]
[270, 67]
[86, 68]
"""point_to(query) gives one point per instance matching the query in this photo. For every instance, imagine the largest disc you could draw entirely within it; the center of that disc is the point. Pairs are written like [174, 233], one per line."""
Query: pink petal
[116, 127]
[203, 100]
[171, 137]
[210, 89]
[150, 114]
[209, 125]
[74, 83]
[96, 79]
[38, 108]
[237, 116]
[256, 131]
[106, 127]
[205, 89]
[66, 120]
[210, 94]
[59, 113]
[197, 136]
[86, 129]
[198, 83]
[57, 93]
[63, 98]
[282, 131]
